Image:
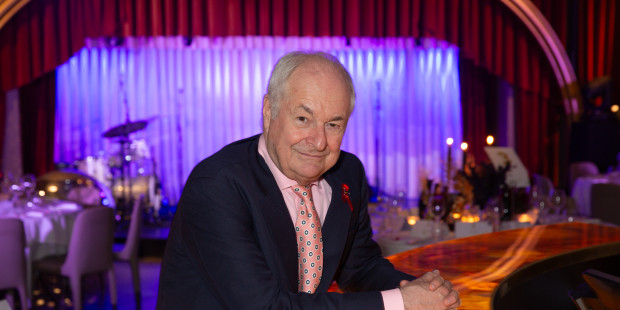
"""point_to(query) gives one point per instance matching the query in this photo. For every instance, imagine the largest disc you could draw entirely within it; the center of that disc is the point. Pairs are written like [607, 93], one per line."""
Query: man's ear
[266, 113]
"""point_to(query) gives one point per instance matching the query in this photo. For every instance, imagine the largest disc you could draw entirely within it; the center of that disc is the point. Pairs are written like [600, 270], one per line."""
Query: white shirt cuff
[393, 299]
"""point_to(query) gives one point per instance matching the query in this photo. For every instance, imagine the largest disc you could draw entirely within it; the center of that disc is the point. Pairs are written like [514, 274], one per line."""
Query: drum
[74, 185]
[96, 167]
[133, 159]
[139, 150]
[134, 187]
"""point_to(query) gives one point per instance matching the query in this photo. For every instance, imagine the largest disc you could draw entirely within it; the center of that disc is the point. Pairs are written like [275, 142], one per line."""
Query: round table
[477, 264]
[47, 225]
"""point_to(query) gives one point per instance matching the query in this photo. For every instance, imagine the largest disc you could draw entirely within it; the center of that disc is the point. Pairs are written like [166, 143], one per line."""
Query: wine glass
[538, 205]
[28, 185]
[395, 217]
[493, 209]
[438, 209]
[16, 190]
[558, 201]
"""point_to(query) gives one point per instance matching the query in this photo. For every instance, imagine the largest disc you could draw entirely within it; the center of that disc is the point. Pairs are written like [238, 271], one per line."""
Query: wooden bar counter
[476, 265]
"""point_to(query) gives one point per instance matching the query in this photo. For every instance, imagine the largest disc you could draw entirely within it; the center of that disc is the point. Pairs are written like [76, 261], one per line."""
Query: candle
[464, 149]
[524, 218]
[470, 218]
[449, 141]
[490, 140]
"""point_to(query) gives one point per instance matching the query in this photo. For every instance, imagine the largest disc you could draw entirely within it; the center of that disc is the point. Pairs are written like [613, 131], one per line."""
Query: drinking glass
[395, 217]
[28, 183]
[558, 201]
[16, 190]
[493, 210]
[438, 209]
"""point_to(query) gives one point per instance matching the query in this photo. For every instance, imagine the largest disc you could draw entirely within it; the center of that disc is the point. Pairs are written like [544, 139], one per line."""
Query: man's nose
[318, 138]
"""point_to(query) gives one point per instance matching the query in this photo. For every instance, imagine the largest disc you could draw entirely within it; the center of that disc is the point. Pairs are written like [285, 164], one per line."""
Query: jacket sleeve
[214, 259]
[364, 268]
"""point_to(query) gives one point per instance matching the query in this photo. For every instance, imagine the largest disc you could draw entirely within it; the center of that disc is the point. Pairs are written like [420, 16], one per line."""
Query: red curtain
[478, 94]
[37, 111]
[595, 38]
[46, 33]
[2, 128]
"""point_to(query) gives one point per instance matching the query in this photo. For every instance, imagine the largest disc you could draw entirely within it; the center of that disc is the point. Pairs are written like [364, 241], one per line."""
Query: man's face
[304, 139]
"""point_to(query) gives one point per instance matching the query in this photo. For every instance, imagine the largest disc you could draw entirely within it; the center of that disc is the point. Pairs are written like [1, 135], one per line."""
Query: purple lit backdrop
[200, 97]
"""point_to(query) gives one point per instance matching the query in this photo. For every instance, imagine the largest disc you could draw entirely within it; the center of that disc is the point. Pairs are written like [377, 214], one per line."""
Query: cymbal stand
[125, 164]
[124, 203]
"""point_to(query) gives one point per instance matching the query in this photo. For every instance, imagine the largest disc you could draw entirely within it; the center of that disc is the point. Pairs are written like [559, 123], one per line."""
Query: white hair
[277, 88]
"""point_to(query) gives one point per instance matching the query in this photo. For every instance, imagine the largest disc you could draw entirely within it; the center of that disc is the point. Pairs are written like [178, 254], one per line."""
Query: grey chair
[604, 202]
[129, 253]
[90, 251]
[13, 258]
[580, 169]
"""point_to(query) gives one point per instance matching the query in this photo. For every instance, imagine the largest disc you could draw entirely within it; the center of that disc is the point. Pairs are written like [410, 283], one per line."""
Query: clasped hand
[429, 291]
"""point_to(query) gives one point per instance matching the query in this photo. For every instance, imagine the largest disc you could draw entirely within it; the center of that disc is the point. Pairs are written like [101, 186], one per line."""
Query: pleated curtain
[200, 95]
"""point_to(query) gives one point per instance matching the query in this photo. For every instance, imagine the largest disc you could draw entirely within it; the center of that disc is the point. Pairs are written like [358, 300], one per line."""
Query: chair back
[604, 204]
[580, 169]
[90, 248]
[133, 235]
[12, 259]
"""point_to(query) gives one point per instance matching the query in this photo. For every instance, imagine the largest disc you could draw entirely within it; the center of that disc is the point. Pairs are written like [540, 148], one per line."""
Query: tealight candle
[524, 218]
[412, 219]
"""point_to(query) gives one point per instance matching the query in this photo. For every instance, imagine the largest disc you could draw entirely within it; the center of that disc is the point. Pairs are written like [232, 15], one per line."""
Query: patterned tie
[309, 241]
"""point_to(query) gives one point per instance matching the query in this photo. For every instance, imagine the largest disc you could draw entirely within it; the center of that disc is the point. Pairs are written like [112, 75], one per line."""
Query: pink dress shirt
[321, 194]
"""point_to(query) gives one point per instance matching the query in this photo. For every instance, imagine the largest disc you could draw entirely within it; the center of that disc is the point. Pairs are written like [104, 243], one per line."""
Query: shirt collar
[282, 180]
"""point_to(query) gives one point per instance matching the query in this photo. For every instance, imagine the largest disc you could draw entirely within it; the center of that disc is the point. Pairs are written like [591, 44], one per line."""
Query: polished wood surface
[476, 265]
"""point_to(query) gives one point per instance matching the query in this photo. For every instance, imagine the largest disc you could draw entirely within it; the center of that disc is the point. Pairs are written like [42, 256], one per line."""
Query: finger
[436, 282]
[429, 276]
[452, 299]
[443, 291]
[403, 283]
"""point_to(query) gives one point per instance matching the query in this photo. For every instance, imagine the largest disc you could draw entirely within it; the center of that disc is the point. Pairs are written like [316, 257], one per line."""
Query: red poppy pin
[345, 196]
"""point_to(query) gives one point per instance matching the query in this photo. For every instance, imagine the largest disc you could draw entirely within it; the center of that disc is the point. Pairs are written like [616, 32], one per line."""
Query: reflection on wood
[477, 264]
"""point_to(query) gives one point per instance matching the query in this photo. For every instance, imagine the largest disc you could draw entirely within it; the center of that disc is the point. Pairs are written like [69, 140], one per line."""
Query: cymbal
[124, 130]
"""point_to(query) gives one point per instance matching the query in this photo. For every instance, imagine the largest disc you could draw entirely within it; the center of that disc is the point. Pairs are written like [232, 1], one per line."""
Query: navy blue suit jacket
[232, 242]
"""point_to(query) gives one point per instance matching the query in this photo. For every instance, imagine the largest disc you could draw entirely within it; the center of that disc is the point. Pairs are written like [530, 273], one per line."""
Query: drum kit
[130, 172]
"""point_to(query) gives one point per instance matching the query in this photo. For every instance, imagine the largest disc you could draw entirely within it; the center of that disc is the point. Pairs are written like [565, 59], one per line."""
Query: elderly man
[269, 222]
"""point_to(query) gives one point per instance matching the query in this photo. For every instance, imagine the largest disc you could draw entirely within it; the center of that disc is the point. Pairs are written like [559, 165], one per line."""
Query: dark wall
[596, 139]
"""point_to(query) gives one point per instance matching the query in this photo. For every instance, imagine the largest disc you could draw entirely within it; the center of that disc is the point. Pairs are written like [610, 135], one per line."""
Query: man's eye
[333, 126]
[302, 119]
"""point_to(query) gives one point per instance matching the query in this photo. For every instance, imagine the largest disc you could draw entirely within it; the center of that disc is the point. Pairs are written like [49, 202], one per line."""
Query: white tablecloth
[421, 234]
[582, 190]
[47, 225]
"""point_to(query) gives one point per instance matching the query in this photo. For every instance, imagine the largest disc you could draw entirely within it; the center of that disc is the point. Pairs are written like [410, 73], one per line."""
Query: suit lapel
[278, 222]
[335, 229]
[283, 234]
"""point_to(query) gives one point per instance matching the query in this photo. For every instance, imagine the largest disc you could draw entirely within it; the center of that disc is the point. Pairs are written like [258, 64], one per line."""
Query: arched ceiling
[538, 25]
[525, 10]
[8, 8]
